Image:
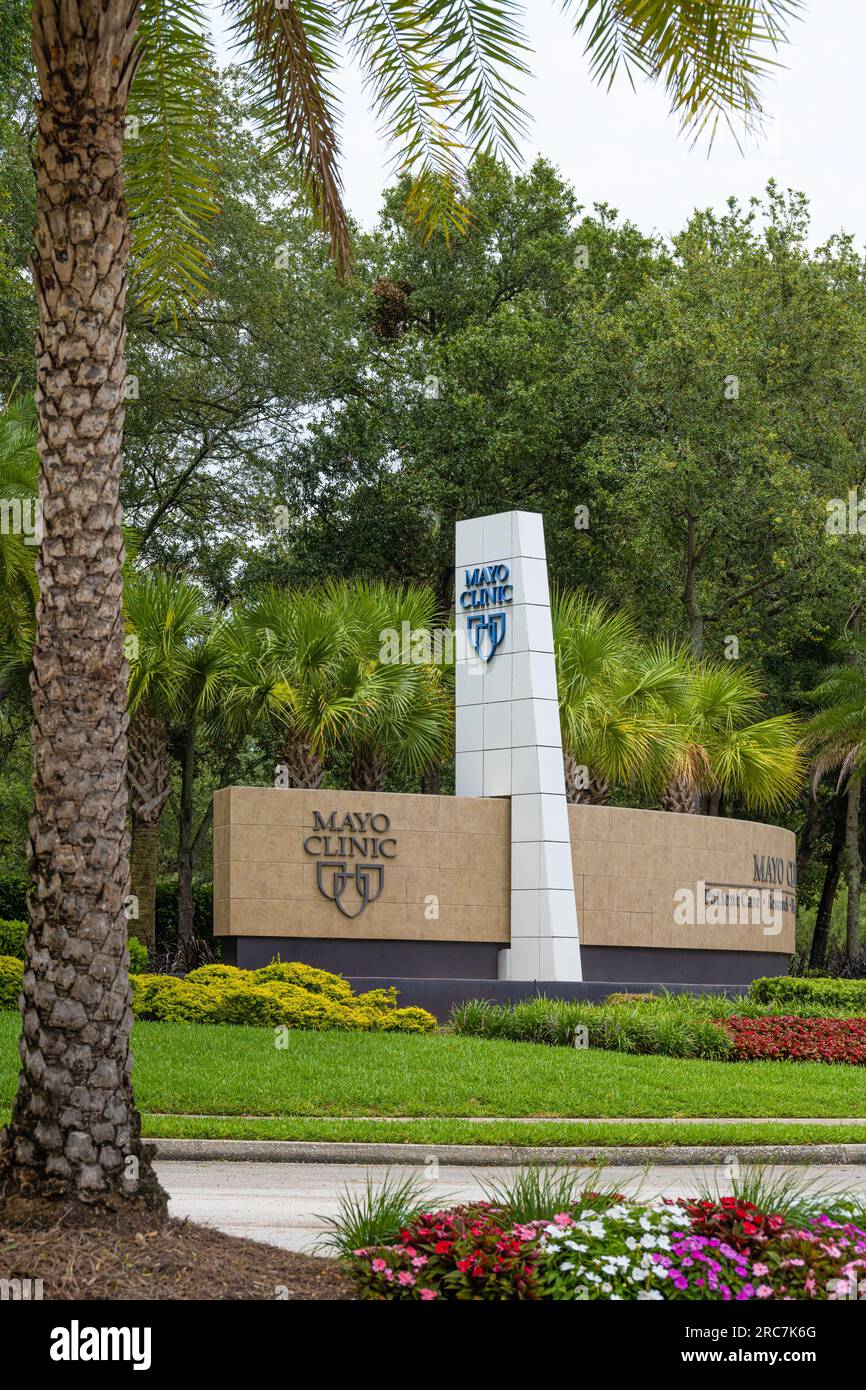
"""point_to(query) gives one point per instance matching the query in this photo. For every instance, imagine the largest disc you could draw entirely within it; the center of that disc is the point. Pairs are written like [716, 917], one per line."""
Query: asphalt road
[283, 1203]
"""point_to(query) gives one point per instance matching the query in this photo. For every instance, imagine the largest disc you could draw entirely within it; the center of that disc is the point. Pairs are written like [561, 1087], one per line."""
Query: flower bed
[608, 1247]
[784, 1036]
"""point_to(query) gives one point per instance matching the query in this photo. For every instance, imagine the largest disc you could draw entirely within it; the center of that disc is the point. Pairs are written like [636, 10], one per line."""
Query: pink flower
[562, 1218]
[405, 1278]
[760, 1269]
[427, 1294]
[380, 1266]
[764, 1291]
[419, 1261]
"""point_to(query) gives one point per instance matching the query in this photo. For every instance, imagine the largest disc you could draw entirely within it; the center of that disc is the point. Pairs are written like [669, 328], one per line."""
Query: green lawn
[254, 1090]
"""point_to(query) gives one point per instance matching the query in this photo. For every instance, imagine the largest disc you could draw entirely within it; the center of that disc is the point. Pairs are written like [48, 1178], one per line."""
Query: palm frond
[400, 57]
[710, 56]
[293, 52]
[170, 158]
[479, 45]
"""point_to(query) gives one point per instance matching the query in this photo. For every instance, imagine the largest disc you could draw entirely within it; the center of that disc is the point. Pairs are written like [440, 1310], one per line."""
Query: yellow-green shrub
[170, 1000]
[217, 974]
[307, 976]
[288, 994]
[11, 981]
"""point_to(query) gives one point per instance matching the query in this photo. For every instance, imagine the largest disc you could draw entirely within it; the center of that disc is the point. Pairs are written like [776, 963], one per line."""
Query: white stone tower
[508, 735]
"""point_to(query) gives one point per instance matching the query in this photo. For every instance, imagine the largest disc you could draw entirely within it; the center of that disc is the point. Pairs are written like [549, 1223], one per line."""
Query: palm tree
[165, 616]
[439, 75]
[615, 695]
[725, 751]
[837, 734]
[405, 727]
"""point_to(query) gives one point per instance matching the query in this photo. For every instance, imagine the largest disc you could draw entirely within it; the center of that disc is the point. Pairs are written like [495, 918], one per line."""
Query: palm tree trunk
[680, 796]
[596, 789]
[821, 933]
[143, 866]
[149, 776]
[185, 900]
[74, 1137]
[367, 771]
[303, 767]
[852, 867]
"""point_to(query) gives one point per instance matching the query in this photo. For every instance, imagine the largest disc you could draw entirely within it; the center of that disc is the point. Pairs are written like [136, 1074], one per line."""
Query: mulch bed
[178, 1260]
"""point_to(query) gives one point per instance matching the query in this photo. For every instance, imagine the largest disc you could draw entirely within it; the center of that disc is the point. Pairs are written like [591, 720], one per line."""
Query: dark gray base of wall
[438, 974]
[460, 960]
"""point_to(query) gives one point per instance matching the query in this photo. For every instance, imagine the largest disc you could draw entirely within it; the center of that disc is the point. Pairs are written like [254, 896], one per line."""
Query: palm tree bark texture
[74, 1133]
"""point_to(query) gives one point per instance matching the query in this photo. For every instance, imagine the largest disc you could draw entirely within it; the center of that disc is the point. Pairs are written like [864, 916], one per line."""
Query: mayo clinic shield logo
[486, 587]
[333, 879]
[491, 625]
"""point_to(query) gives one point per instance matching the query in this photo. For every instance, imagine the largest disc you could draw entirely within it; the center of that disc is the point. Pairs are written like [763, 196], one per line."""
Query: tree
[615, 698]
[837, 735]
[725, 752]
[166, 615]
[436, 73]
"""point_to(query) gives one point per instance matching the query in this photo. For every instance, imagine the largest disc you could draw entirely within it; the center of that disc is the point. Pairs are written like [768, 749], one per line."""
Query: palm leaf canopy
[442, 78]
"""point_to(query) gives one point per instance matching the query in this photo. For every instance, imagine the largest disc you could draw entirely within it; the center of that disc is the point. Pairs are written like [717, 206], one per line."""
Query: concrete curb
[490, 1155]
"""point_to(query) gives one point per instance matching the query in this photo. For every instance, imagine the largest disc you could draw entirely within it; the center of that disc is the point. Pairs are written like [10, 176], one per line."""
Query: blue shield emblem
[490, 624]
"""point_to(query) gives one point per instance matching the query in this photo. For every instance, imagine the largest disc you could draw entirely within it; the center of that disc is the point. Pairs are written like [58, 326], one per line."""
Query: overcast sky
[622, 147]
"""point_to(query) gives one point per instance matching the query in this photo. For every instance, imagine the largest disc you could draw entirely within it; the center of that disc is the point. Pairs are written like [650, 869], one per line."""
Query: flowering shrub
[617, 1249]
[467, 1253]
[798, 1039]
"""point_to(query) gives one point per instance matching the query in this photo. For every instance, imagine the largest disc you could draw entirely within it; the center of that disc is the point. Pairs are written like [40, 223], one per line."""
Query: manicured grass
[195, 1069]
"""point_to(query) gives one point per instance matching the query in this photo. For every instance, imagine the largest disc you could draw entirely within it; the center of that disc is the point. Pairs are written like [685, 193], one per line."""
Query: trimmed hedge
[849, 995]
[288, 994]
[11, 981]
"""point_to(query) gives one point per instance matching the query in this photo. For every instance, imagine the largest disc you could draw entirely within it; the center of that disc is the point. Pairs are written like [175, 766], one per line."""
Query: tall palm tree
[166, 615]
[440, 75]
[614, 700]
[725, 750]
[837, 735]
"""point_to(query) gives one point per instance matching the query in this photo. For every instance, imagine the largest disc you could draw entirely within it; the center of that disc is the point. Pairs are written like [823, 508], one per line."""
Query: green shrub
[11, 981]
[12, 936]
[137, 956]
[13, 897]
[285, 993]
[847, 995]
[635, 1027]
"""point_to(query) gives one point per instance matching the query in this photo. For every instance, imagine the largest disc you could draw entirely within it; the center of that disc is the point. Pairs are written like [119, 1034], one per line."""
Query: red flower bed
[781, 1036]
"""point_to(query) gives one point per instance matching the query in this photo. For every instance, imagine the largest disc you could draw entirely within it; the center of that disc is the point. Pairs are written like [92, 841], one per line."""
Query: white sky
[622, 147]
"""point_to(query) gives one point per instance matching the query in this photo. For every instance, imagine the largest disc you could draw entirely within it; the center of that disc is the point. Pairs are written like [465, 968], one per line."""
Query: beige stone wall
[627, 866]
[454, 849]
